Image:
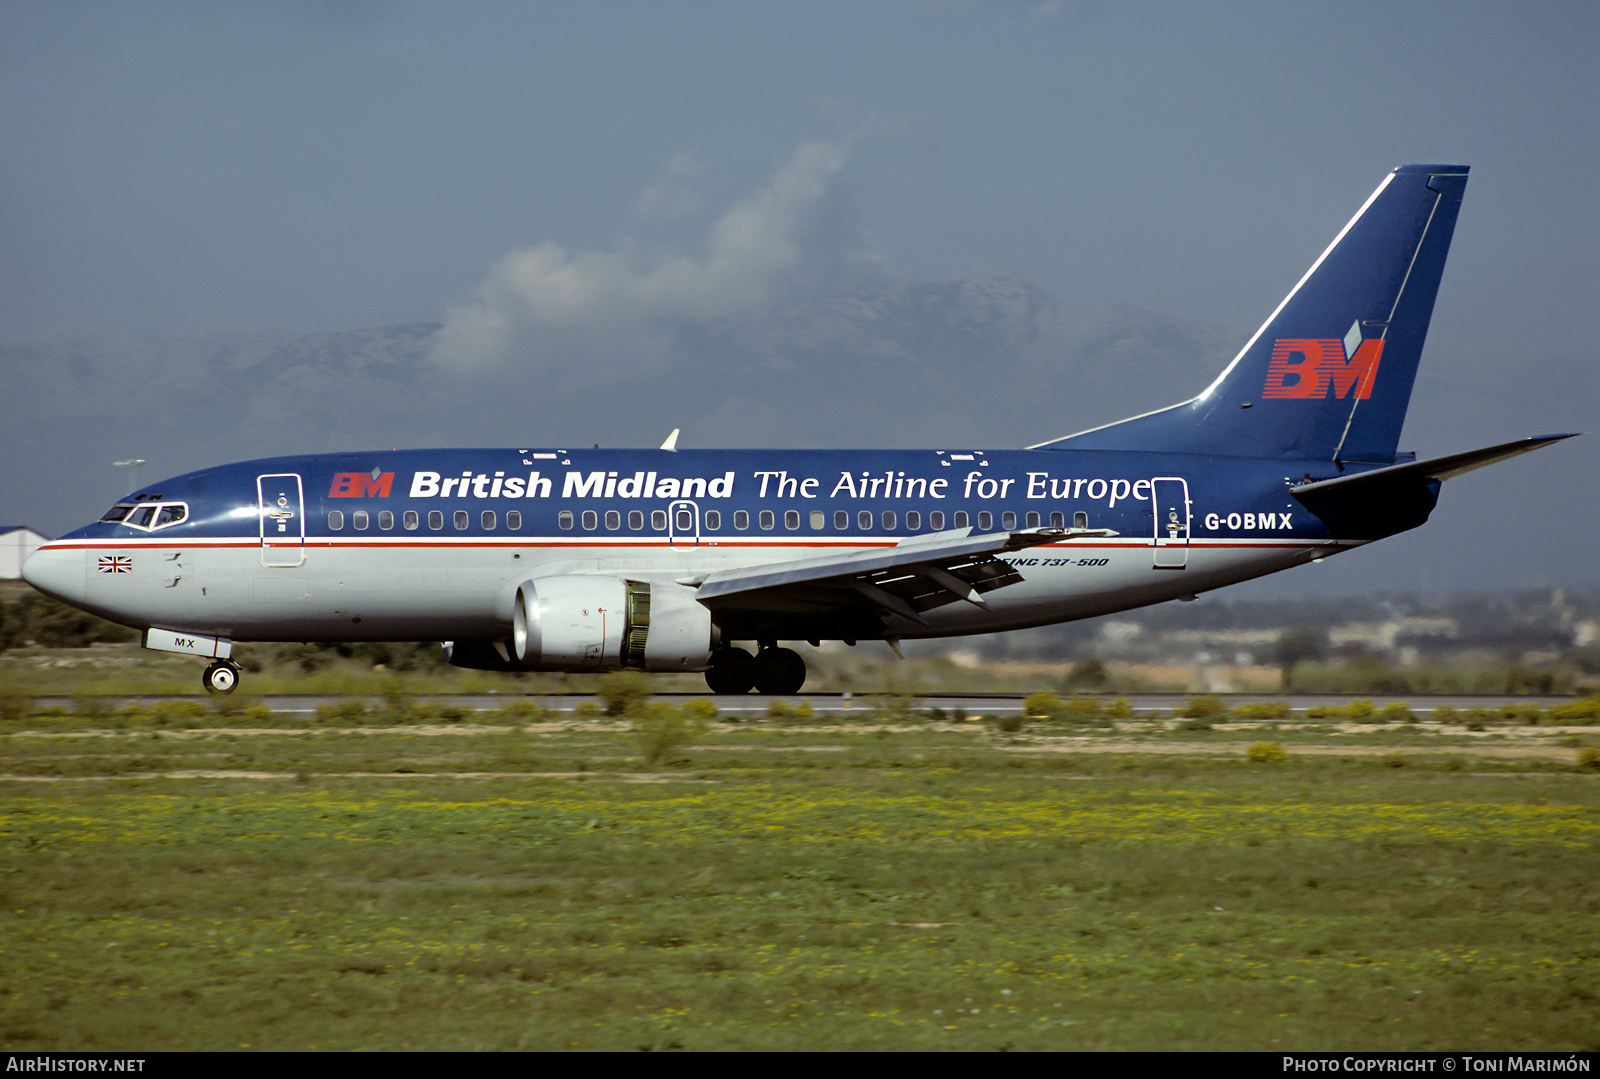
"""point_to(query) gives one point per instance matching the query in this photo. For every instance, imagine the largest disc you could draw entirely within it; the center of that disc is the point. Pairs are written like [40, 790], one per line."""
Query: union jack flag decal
[116, 563]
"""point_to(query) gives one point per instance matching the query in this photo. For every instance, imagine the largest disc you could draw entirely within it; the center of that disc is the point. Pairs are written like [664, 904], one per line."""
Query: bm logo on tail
[1308, 367]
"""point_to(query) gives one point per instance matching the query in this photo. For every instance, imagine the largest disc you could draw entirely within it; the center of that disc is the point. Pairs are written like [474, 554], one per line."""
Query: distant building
[16, 543]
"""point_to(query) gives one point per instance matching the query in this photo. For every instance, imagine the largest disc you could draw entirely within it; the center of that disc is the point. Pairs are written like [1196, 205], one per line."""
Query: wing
[917, 574]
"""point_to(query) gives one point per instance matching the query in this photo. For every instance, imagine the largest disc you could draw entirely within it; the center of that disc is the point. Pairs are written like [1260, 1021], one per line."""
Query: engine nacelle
[585, 623]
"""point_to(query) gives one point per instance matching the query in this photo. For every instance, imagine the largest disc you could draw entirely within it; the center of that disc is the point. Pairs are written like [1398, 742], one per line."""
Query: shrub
[351, 710]
[1203, 707]
[1589, 757]
[14, 706]
[397, 701]
[1266, 753]
[1586, 710]
[620, 691]
[1085, 706]
[1042, 704]
[1091, 674]
[522, 710]
[1261, 710]
[661, 728]
[1119, 708]
[1397, 712]
[701, 708]
[785, 710]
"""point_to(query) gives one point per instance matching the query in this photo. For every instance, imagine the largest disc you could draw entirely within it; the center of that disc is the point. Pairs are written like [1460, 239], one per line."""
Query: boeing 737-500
[544, 558]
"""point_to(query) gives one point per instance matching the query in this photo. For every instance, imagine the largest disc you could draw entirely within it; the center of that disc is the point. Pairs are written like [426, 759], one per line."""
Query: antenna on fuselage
[132, 465]
[671, 444]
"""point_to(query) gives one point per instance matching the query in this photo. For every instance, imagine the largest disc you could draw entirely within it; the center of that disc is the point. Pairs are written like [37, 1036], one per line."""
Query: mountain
[984, 360]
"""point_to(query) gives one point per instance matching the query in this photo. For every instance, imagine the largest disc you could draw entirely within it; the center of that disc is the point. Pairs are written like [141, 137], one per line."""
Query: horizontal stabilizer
[1439, 468]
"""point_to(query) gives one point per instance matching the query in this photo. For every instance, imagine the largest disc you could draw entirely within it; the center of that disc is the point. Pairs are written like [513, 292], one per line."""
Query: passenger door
[1169, 497]
[683, 523]
[283, 520]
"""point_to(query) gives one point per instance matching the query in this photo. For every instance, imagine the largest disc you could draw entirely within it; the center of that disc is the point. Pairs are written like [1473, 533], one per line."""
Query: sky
[606, 180]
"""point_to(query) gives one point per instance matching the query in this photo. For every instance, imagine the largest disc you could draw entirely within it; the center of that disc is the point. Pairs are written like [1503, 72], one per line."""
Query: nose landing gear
[221, 677]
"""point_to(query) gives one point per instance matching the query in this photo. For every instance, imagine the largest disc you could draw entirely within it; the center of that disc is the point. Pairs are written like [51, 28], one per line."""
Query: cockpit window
[148, 516]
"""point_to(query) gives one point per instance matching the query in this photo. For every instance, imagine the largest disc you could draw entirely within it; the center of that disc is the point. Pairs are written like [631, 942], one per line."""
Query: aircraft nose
[58, 572]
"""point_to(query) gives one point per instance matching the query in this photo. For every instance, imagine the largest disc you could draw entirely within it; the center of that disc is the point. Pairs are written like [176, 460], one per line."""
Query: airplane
[554, 559]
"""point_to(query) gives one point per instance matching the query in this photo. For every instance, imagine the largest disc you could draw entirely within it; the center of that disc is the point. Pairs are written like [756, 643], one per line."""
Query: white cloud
[545, 296]
[675, 196]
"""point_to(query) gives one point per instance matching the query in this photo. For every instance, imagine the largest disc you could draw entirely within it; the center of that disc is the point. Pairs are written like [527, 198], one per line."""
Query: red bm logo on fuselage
[360, 485]
[1310, 367]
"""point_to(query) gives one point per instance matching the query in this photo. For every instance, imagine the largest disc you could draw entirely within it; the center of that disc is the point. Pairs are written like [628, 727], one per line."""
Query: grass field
[395, 880]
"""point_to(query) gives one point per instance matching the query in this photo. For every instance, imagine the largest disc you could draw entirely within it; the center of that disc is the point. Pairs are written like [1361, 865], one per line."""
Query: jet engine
[585, 623]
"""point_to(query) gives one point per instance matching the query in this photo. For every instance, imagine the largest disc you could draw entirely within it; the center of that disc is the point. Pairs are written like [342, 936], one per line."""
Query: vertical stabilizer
[1329, 375]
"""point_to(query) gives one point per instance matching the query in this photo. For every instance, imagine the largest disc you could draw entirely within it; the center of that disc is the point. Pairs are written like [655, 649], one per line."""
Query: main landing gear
[221, 677]
[771, 670]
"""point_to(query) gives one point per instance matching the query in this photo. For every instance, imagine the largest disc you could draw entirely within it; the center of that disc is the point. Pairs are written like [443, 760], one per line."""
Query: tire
[220, 678]
[779, 671]
[732, 672]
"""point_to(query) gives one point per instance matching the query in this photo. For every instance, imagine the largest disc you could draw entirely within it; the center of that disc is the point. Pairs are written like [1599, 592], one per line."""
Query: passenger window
[335, 520]
[658, 520]
[767, 520]
[564, 519]
[741, 519]
[713, 519]
[487, 520]
[864, 520]
[791, 519]
[1033, 518]
[514, 520]
[359, 520]
[1080, 520]
[462, 517]
[636, 520]
[1008, 520]
[685, 521]
[613, 519]
[936, 520]
[888, 520]
[818, 519]
[841, 519]
[958, 519]
[985, 520]
[1057, 520]
[386, 519]
[436, 519]
[913, 521]
[409, 520]
[590, 520]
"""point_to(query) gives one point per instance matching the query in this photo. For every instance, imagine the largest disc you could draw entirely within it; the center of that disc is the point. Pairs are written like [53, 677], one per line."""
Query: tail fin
[1329, 375]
